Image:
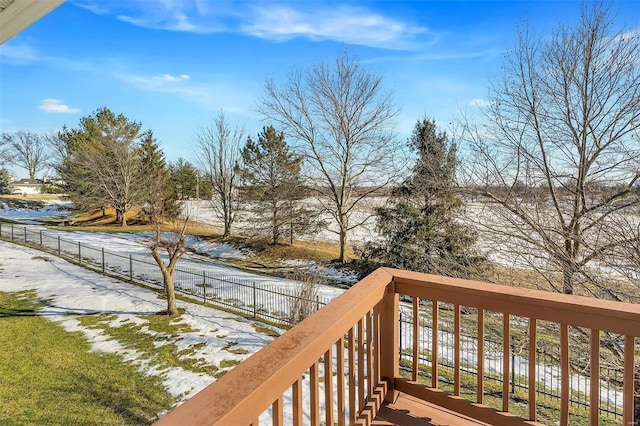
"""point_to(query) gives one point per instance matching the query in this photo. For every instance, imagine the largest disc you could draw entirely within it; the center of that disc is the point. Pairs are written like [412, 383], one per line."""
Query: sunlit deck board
[410, 411]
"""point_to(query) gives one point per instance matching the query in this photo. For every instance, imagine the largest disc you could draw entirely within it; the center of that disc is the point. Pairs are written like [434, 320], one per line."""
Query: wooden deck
[411, 411]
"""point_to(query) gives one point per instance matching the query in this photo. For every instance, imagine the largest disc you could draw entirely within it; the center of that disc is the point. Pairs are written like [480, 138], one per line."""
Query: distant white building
[25, 187]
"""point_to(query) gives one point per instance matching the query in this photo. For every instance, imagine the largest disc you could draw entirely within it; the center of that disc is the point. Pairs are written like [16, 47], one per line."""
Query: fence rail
[261, 301]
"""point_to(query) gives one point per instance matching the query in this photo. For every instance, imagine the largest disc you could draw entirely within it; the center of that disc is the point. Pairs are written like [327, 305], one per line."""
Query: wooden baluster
[314, 395]
[629, 370]
[564, 375]
[296, 396]
[369, 331]
[456, 350]
[533, 328]
[480, 375]
[506, 358]
[416, 341]
[353, 409]
[328, 387]
[340, 380]
[360, 364]
[376, 346]
[277, 415]
[434, 345]
[594, 378]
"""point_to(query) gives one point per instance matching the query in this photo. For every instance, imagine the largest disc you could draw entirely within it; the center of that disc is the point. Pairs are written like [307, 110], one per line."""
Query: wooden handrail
[251, 387]
[587, 312]
[363, 325]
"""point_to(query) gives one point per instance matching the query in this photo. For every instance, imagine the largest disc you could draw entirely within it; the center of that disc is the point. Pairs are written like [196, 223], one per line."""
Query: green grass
[51, 377]
[155, 341]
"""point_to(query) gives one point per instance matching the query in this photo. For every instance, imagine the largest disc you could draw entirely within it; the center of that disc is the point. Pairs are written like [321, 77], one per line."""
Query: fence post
[41, 237]
[317, 303]
[254, 300]
[130, 268]
[79, 253]
[58, 245]
[103, 260]
[204, 287]
[25, 234]
[12, 232]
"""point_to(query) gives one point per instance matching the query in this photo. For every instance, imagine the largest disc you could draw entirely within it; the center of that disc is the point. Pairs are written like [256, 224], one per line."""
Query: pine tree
[272, 183]
[5, 180]
[157, 180]
[419, 224]
[187, 180]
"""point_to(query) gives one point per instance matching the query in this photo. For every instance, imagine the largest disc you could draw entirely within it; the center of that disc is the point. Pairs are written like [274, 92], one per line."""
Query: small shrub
[304, 300]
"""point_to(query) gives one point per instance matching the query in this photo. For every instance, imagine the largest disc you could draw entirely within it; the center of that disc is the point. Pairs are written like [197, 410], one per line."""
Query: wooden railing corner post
[389, 339]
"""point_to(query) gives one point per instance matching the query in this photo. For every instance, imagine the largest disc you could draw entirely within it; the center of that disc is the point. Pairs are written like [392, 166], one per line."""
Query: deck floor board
[410, 411]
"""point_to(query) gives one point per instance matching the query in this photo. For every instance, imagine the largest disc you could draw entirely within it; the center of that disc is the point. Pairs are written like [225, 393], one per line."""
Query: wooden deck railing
[339, 365]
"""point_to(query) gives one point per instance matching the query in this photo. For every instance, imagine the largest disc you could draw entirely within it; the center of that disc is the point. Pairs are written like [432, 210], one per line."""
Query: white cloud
[344, 24]
[17, 53]
[480, 103]
[157, 83]
[276, 21]
[169, 77]
[55, 106]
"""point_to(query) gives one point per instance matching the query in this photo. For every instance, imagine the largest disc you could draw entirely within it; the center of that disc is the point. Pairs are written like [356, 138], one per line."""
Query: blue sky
[172, 64]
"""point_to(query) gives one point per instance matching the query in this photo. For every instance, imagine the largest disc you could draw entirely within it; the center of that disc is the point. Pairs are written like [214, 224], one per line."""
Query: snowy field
[201, 211]
[71, 291]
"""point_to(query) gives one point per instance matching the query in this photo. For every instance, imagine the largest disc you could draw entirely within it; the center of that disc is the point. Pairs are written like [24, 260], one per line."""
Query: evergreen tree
[5, 180]
[419, 225]
[156, 178]
[272, 183]
[187, 181]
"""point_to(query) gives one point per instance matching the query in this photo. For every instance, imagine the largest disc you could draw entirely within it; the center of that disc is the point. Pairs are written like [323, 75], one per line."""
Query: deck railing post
[389, 328]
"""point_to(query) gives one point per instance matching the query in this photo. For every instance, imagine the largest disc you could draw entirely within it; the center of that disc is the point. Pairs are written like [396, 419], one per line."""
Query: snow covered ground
[53, 209]
[72, 291]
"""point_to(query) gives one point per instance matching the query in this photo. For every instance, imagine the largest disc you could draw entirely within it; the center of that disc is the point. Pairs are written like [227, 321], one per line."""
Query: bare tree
[28, 150]
[218, 146]
[102, 163]
[343, 122]
[163, 210]
[557, 160]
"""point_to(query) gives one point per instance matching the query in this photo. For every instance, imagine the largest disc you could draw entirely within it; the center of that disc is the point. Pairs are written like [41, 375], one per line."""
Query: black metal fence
[263, 301]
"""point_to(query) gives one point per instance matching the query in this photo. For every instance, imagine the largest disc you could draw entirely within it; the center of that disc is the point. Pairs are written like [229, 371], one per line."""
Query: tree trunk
[169, 288]
[124, 219]
[274, 227]
[343, 239]
[567, 280]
